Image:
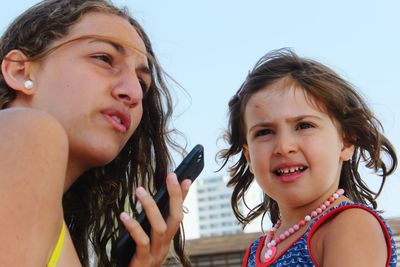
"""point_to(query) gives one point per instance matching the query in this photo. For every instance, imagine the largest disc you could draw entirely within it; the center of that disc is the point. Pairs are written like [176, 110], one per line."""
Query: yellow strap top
[57, 250]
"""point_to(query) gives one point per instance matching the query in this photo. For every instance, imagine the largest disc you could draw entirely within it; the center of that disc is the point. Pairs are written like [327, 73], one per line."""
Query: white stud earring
[28, 84]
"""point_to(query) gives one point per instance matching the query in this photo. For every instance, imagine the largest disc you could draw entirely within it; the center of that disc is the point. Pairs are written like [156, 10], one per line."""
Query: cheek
[260, 158]
[323, 152]
[60, 91]
[136, 118]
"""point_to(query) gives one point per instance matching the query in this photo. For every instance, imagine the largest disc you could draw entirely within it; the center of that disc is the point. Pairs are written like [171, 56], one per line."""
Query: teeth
[116, 118]
[290, 170]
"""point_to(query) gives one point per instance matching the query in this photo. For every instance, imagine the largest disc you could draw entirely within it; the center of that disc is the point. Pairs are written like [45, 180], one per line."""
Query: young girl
[83, 123]
[301, 131]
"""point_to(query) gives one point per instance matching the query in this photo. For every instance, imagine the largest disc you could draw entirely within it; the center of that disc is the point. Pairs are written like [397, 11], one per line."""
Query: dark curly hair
[93, 203]
[331, 94]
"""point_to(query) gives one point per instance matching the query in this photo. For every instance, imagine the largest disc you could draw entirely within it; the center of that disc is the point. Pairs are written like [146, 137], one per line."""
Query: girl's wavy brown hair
[330, 93]
[93, 203]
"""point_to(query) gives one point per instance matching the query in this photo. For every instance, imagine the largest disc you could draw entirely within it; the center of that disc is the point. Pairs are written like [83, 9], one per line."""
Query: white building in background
[215, 212]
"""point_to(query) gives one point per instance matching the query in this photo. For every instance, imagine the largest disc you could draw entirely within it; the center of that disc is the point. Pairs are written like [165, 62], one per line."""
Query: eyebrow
[143, 69]
[116, 46]
[293, 119]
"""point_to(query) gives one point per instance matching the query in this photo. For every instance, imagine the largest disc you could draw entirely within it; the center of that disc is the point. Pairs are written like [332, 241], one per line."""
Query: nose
[285, 144]
[128, 89]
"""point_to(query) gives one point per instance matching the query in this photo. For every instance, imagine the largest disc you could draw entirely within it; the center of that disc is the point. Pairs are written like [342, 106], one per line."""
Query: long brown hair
[332, 94]
[94, 201]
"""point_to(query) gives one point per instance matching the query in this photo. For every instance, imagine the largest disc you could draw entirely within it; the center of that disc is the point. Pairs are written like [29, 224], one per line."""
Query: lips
[289, 172]
[118, 118]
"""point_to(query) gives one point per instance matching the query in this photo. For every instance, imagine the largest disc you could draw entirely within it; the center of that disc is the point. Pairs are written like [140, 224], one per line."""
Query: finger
[185, 185]
[153, 214]
[138, 235]
[175, 204]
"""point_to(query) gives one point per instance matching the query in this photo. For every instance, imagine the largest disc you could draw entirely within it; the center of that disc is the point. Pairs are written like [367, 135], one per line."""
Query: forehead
[281, 101]
[274, 99]
[285, 88]
[110, 27]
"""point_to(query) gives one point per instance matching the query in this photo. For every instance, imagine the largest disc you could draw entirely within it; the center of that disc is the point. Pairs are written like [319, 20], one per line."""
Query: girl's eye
[304, 125]
[263, 132]
[105, 58]
[144, 86]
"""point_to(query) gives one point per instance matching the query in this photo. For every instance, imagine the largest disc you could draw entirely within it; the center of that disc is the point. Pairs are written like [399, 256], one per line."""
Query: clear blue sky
[209, 46]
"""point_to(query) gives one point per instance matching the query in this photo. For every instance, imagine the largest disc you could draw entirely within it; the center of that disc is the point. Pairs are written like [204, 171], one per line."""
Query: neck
[291, 222]
[292, 215]
[74, 170]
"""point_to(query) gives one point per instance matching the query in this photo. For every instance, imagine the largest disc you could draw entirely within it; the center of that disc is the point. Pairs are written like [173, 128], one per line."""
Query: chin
[94, 150]
[105, 158]
[102, 155]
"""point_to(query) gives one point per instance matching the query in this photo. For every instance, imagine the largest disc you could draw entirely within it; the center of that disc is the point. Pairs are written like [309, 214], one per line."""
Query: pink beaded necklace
[271, 243]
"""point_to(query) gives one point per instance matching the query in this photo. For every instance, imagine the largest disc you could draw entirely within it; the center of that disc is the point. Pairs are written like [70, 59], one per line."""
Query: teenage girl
[301, 132]
[84, 137]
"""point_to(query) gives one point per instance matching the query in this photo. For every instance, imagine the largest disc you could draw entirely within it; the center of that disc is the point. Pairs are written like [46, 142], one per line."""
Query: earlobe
[347, 151]
[15, 71]
[246, 153]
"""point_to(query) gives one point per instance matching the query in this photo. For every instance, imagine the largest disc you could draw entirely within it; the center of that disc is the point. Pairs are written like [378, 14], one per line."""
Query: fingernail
[124, 216]
[174, 179]
[141, 192]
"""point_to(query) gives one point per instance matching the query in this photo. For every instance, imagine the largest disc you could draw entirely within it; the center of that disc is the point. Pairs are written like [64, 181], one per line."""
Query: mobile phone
[190, 168]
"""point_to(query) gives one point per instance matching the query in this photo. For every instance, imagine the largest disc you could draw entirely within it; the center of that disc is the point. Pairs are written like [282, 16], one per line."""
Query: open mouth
[117, 119]
[290, 170]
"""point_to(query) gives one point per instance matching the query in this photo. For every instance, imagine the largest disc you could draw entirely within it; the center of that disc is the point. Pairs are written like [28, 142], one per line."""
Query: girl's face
[94, 88]
[294, 149]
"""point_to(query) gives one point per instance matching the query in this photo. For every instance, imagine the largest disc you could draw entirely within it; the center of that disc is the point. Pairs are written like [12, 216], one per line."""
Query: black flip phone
[191, 166]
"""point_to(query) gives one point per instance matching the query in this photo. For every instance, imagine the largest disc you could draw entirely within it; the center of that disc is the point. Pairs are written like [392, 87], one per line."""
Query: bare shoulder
[33, 158]
[33, 144]
[354, 237]
[32, 121]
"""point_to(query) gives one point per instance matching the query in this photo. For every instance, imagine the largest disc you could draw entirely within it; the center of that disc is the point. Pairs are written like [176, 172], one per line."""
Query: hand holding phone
[190, 168]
